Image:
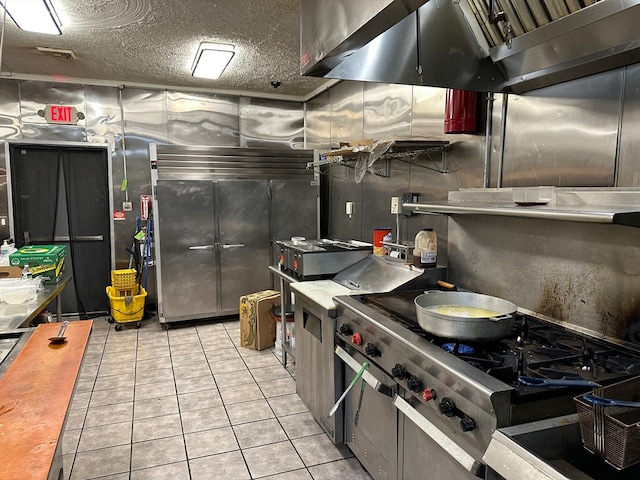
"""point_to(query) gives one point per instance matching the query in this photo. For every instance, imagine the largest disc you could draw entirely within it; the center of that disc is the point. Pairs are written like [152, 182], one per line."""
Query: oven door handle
[460, 455]
[367, 376]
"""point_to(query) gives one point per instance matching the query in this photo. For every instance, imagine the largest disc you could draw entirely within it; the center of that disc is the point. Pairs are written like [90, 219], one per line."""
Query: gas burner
[458, 348]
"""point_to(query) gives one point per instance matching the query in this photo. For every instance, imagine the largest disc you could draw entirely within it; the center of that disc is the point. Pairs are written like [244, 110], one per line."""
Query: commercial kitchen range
[443, 400]
[431, 406]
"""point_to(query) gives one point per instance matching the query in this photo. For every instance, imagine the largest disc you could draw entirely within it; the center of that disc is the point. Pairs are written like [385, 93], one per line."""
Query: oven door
[429, 449]
[371, 420]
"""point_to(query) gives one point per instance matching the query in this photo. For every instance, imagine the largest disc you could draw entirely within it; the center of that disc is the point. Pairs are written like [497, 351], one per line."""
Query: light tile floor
[190, 403]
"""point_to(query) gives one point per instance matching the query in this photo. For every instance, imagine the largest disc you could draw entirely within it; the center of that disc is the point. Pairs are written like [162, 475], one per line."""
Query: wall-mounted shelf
[363, 157]
[619, 206]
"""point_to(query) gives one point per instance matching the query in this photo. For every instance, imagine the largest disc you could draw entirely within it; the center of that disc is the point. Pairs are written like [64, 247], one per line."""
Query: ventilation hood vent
[444, 43]
[57, 52]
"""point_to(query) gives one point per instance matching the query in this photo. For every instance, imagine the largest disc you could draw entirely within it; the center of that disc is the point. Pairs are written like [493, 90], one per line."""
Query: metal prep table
[285, 298]
[19, 316]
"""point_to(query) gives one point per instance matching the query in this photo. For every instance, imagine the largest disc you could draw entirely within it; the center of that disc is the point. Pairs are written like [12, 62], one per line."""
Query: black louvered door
[60, 195]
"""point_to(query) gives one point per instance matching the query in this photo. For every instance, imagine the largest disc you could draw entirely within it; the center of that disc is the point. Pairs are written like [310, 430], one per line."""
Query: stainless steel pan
[492, 317]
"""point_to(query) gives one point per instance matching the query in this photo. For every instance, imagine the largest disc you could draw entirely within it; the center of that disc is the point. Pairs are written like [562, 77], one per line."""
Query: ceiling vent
[57, 52]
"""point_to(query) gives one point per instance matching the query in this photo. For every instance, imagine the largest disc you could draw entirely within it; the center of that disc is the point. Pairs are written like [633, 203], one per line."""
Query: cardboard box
[43, 260]
[257, 326]
[10, 272]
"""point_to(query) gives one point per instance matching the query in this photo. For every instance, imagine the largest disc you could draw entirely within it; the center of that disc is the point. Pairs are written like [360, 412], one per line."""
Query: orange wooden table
[35, 393]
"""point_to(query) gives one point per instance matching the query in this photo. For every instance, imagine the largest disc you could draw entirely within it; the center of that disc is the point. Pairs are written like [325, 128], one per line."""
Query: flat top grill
[534, 347]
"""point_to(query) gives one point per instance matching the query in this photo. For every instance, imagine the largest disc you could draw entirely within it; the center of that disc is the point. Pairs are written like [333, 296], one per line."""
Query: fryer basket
[612, 433]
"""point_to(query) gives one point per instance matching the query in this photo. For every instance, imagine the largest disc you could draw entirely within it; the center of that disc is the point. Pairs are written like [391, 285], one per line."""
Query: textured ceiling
[153, 42]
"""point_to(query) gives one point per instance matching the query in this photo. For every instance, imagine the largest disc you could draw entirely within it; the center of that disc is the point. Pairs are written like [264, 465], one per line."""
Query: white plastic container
[15, 291]
[425, 251]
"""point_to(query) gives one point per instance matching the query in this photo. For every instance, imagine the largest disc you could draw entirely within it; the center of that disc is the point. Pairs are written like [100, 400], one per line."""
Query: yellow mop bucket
[127, 308]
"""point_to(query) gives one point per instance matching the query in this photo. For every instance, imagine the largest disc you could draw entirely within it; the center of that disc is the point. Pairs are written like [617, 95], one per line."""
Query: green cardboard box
[43, 260]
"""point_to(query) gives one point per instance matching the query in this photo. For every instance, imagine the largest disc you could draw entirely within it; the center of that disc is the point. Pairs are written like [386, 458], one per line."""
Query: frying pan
[465, 328]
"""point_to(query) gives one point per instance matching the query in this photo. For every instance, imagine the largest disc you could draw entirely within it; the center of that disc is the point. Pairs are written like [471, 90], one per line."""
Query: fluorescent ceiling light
[33, 15]
[211, 60]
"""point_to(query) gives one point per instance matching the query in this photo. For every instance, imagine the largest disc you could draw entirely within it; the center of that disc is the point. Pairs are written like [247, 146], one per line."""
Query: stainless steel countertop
[17, 316]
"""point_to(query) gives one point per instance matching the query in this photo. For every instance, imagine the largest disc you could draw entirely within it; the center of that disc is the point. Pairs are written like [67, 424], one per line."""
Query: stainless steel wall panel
[103, 121]
[342, 189]
[347, 112]
[581, 273]
[376, 199]
[495, 139]
[53, 133]
[9, 110]
[9, 130]
[628, 161]
[201, 119]
[564, 135]
[387, 110]
[427, 112]
[318, 122]
[265, 123]
[347, 124]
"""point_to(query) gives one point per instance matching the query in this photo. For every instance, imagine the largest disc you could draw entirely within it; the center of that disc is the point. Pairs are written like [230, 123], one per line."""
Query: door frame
[44, 143]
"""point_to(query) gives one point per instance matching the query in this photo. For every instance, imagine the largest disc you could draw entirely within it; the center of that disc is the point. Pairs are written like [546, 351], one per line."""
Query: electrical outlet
[127, 206]
[395, 205]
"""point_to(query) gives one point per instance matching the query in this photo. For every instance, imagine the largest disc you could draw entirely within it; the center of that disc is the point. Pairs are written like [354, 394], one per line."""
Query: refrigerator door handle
[232, 245]
[202, 247]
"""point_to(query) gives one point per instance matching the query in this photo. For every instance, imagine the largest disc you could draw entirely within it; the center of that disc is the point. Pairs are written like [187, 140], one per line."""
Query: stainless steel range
[430, 405]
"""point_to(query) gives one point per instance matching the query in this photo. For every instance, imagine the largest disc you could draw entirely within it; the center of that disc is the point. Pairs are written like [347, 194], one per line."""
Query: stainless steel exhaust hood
[529, 44]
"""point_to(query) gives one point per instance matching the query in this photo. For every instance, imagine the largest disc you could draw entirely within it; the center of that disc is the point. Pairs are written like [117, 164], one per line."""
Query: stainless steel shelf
[608, 205]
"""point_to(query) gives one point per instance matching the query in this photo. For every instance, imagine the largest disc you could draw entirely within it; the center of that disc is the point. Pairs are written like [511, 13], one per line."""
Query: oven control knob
[428, 394]
[371, 350]
[448, 407]
[398, 371]
[467, 423]
[414, 384]
[345, 330]
[356, 339]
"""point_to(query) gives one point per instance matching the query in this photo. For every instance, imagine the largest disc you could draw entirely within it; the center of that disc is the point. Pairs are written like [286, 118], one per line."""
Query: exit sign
[61, 114]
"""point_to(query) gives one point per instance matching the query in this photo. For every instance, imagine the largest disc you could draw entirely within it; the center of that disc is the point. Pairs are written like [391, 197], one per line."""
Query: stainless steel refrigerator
[217, 211]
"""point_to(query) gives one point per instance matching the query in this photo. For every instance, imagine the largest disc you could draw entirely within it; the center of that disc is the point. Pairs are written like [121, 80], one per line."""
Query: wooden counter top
[35, 393]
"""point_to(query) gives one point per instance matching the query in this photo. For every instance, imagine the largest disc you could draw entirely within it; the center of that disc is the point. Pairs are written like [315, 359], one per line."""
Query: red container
[461, 111]
[380, 235]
